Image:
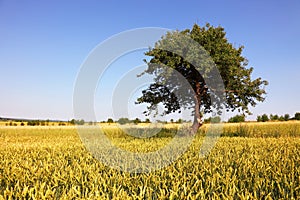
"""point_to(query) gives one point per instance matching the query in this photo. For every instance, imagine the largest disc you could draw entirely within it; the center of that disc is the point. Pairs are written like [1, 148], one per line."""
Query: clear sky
[44, 43]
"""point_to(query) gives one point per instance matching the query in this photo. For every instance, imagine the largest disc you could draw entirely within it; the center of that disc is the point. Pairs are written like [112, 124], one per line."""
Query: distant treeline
[124, 120]
[266, 118]
[271, 117]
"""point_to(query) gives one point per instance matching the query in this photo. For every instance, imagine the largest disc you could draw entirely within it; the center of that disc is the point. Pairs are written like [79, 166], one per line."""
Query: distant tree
[81, 122]
[179, 121]
[77, 122]
[136, 121]
[30, 123]
[281, 118]
[110, 120]
[259, 119]
[123, 120]
[264, 118]
[172, 120]
[22, 124]
[237, 118]
[207, 120]
[273, 117]
[241, 91]
[216, 119]
[297, 116]
[286, 117]
[147, 120]
[72, 121]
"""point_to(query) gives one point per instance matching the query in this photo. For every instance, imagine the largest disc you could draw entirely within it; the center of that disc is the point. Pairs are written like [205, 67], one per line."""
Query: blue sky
[44, 43]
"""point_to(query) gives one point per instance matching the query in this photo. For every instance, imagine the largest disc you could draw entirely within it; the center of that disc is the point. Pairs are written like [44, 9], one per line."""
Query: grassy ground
[52, 163]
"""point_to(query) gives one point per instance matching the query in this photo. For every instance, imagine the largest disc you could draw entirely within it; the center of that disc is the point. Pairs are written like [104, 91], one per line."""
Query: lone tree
[240, 90]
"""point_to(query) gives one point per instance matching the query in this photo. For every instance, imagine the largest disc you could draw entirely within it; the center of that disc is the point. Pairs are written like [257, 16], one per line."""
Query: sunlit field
[249, 161]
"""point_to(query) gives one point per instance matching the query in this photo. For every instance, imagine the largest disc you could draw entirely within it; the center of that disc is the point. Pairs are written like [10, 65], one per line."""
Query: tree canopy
[240, 90]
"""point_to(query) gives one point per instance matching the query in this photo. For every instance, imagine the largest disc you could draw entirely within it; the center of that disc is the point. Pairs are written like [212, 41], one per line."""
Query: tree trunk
[197, 117]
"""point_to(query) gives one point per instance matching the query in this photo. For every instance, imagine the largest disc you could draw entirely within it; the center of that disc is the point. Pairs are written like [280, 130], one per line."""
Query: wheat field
[250, 161]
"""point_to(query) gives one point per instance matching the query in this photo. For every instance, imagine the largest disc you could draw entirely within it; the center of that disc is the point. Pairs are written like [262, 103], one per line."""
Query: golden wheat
[52, 163]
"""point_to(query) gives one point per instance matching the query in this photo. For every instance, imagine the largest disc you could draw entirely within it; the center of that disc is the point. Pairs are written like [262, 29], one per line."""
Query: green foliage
[72, 121]
[274, 117]
[237, 118]
[216, 119]
[61, 124]
[179, 121]
[264, 118]
[281, 118]
[110, 120]
[286, 117]
[136, 121]
[241, 90]
[123, 120]
[81, 122]
[33, 123]
[297, 116]
[258, 119]
[147, 120]
[77, 122]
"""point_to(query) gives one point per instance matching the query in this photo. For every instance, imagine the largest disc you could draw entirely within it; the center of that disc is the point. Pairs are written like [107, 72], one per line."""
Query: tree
[264, 118]
[240, 90]
[281, 118]
[136, 121]
[147, 120]
[72, 121]
[274, 117]
[297, 116]
[110, 120]
[123, 121]
[237, 118]
[81, 122]
[77, 122]
[216, 119]
[179, 121]
[286, 117]
[258, 119]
